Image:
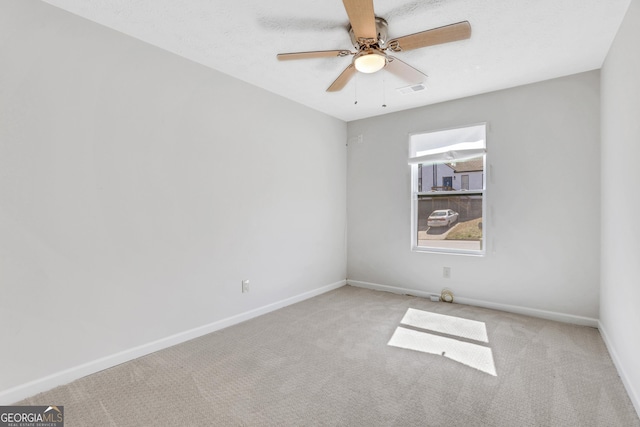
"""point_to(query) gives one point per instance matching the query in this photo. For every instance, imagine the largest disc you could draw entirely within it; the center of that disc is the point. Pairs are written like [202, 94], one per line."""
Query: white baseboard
[534, 312]
[40, 385]
[634, 394]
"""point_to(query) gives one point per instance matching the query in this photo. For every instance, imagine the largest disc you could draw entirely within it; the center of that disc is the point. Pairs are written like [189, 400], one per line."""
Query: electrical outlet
[446, 272]
[245, 286]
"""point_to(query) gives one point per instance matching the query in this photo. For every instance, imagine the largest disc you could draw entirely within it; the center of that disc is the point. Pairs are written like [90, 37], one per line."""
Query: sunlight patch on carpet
[476, 356]
[449, 325]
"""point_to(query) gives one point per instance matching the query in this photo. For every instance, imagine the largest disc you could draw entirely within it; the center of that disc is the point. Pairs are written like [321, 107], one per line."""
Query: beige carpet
[326, 361]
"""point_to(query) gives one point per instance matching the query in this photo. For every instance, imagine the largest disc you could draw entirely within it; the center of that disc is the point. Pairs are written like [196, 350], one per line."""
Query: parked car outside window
[442, 218]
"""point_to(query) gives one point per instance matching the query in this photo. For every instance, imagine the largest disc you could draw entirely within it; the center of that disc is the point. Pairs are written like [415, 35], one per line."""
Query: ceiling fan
[369, 36]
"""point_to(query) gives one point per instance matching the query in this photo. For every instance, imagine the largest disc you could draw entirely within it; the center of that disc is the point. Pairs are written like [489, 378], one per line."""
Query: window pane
[466, 175]
[457, 140]
[460, 229]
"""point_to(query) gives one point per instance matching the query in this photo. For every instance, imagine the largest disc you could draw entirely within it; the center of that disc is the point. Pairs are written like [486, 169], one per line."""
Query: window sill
[448, 251]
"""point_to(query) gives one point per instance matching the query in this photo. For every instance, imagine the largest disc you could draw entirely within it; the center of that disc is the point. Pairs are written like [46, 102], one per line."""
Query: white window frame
[444, 156]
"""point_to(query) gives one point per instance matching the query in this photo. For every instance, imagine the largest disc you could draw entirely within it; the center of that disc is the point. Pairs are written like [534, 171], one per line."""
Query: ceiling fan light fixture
[369, 61]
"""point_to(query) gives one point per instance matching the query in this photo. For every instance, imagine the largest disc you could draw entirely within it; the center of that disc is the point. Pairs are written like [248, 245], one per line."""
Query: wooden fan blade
[362, 18]
[446, 34]
[342, 79]
[312, 54]
[404, 71]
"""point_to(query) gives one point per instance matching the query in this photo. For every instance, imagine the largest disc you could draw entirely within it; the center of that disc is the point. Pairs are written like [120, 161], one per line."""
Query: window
[448, 190]
[465, 182]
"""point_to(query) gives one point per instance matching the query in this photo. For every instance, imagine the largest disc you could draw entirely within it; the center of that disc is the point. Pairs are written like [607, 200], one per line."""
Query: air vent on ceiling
[410, 89]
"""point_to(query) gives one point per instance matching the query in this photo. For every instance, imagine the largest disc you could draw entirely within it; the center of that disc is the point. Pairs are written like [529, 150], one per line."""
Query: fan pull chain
[384, 94]
[355, 90]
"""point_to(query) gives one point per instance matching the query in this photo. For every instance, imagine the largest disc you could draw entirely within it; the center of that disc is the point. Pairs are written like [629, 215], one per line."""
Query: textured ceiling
[513, 42]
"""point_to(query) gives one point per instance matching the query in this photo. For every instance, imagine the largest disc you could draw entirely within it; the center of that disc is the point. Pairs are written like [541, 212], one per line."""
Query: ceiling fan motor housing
[381, 31]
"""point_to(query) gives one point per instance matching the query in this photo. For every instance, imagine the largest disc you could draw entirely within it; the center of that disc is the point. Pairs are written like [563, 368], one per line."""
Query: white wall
[543, 195]
[128, 205]
[620, 279]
